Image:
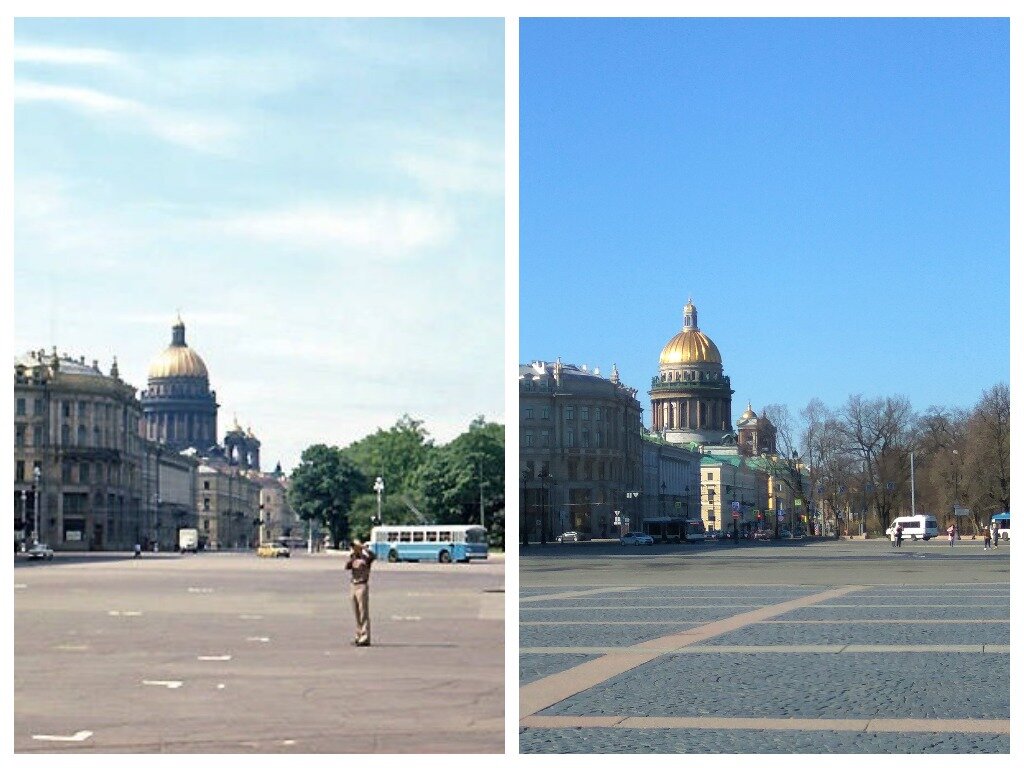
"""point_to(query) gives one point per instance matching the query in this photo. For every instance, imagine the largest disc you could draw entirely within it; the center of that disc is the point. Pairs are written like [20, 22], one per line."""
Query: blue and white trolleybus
[438, 543]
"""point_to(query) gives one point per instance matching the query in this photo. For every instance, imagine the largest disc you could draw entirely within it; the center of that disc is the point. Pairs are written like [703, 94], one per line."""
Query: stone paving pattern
[774, 633]
[594, 635]
[535, 666]
[670, 740]
[803, 685]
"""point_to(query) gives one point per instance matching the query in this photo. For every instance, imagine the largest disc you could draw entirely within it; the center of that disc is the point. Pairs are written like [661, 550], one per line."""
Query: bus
[437, 543]
[674, 529]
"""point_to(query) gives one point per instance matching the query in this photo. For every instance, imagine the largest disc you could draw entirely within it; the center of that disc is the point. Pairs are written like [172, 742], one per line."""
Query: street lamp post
[37, 476]
[481, 466]
[526, 514]
[378, 487]
[544, 476]
[24, 515]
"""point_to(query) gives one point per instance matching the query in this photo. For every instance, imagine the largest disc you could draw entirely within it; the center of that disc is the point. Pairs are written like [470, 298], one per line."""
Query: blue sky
[833, 194]
[323, 200]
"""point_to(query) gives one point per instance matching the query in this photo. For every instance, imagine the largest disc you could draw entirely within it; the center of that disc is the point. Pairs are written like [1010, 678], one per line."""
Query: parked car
[568, 536]
[636, 539]
[40, 551]
[273, 549]
[784, 534]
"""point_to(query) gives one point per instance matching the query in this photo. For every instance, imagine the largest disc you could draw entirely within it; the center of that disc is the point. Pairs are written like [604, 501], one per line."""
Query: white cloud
[382, 228]
[458, 167]
[51, 54]
[202, 133]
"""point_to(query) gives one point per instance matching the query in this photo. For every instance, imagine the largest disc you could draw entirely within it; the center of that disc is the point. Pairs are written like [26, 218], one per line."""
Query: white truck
[188, 540]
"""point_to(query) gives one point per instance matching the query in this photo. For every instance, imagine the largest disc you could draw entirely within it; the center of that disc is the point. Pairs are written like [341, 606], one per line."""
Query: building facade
[671, 485]
[691, 397]
[755, 434]
[580, 450]
[734, 494]
[279, 519]
[227, 502]
[169, 481]
[77, 454]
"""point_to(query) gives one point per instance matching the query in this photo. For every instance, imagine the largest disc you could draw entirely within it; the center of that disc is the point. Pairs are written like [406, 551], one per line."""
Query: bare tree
[987, 459]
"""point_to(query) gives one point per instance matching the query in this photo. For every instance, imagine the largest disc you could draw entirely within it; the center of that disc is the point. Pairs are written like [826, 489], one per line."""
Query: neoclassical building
[178, 406]
[691, 397]
[580, 449]
[78, 454]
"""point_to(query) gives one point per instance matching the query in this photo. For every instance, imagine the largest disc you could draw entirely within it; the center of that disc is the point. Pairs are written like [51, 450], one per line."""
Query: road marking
[633, 607]
[405, 618]
[258, 639]
[71, 647]
[200, 590]
[220, 686]
[833, 648]
[80, 736]
[575, 593]
[214, 658]
[124, 613]
[928, 606]
[165, 683]
[884, 621]
[250, 616]
[873, 725]
[541, 694]
[20, 586]
[604, 623]
[288, 742]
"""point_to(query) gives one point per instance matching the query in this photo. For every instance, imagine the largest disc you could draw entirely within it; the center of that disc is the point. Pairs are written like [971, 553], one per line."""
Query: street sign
[782, 515]
[961, 511]
[890, 487]
[735, 515]
[799, 502]
[625, 520]
[735, 506]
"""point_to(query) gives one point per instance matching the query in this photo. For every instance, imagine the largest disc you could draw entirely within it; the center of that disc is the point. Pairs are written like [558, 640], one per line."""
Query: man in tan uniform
[359, 561]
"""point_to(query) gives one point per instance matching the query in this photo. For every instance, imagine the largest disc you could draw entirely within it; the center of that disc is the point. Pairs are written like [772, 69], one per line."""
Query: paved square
[229, 653]
[807, 646]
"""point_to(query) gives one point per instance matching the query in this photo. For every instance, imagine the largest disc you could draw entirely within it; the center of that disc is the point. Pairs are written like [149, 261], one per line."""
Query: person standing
[995, 535]
[952, 533]
[359, 561]
[899, 535]
[988, 537]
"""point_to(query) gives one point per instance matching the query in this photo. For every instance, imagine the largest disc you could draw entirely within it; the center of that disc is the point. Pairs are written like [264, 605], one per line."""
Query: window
[206, 503]
[206, 525]
[20, 411]
[527, 439]
[431, 535]
[585, 412]
[81, 410]
[597, 439]
[81, 435]
[545, 412]
[65, 472]
[19, 470]
[570, 439]
[568, 413]
[392, 536]
[206, 485]
[545, 438]
[96, 437]
[588, 470]
[83, 473]
[417, 536]
[529, 469]
[19, 437]
[585, 439]
[597, 413]
[572, 470]
[37, 406]
[528, 413]
[600, 470]
[711, 475]
[405, 536]
[444, 536]
[67, 410]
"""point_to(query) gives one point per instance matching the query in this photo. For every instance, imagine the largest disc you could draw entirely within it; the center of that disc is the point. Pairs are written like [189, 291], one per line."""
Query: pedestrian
[995, 535]
[359, 560]
[988, 538]
[952, 533]
[899, 535]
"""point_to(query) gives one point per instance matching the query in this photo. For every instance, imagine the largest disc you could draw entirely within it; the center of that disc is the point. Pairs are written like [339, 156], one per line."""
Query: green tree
[322, 489]
[466, 476]
[394, 454]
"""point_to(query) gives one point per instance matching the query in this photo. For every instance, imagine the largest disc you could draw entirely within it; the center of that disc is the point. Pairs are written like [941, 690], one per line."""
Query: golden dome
[748, 414]
[178, 360]
[690, 346]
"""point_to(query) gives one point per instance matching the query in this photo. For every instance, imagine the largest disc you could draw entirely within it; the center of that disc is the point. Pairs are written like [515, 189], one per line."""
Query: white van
[914, 527]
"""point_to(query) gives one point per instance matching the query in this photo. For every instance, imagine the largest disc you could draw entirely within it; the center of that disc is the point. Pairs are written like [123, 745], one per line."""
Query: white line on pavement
[200, 590]
[405, 618]
[165, 683]
[250, 616]
[214, 658]
[258, 639]
[124, 613]
[80, 736]
[20, 586]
